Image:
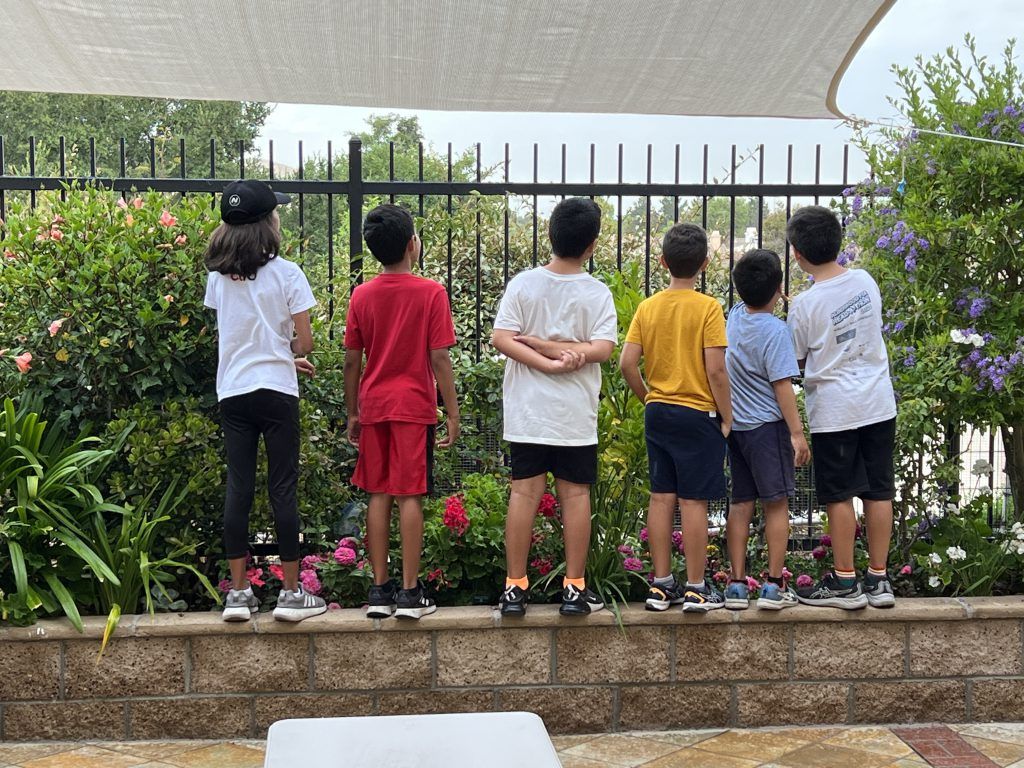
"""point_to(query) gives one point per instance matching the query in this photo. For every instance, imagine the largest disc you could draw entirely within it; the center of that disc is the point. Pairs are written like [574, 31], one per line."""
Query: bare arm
[441, 363]
[595, 351]
[353, 372]
[718, 378]
[505, 342]
[302, 344]
[629, 364]
[787, 404]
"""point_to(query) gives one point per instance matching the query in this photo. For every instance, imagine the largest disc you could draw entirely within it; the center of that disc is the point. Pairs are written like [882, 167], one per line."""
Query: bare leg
[410, 521]
[378, 534]
[878, 520]
[575, 501]
[291, 574]
[737, 532]
[522, 509]
[842, 526]
[776, 533]
[237, 567]
[695, 538]
[659, 532]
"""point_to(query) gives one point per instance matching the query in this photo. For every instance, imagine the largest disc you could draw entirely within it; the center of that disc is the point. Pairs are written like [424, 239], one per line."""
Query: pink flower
[350, 542]
[803, 580]
[56, 234]
[9, 254]
[643, 535]
[632, 564]
[858, 530]
[57, 220]
[121, 203]
[24, 361]
[819, 553]
[167, 220]
[826, 540]
[137, 203]
[753, 583]
[345, 556]
[255, 575]
[333, 606]
[548, 506]
[169, 298]
[721, 577]
[543, 565]
[180, 240]
[310, 562]
[276, 571]
[437, 576]
[455, 518]
[310, 582]
[55, 326]
[129, 220]
[224, 586]
[905, 570]
[786, 573]
[677, 540]
[44, 235]
[625, 549]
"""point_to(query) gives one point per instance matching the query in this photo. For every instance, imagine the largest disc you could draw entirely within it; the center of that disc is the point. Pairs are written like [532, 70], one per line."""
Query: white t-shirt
[255, 327]
[554, 409]
[837, 327]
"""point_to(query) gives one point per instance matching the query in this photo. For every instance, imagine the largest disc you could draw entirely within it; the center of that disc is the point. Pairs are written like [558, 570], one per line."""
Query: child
[403, 323]
[555, 324]
[851, 409]
[767, 435]
[262, 303]
[680, 334]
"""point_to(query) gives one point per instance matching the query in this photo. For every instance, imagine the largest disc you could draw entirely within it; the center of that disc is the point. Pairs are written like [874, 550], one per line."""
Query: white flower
[981, 467]
[934, 558]
[976, 339]
[1018, 547]
[934, 582]
[958, 336]
[956, 553]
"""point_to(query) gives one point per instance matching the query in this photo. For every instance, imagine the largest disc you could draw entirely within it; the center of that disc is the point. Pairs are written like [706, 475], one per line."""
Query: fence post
[355, 212]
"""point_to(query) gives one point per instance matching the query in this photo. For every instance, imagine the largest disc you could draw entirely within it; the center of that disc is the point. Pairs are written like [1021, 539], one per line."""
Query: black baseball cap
[249, 200]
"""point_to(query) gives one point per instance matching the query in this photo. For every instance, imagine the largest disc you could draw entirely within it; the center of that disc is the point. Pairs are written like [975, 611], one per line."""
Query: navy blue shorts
[761, 461]
[574, 463]
[686, 451]
[855, 462]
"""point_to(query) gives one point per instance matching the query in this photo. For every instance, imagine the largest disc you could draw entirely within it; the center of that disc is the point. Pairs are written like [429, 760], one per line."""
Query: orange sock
[522, 583]
[580, 584]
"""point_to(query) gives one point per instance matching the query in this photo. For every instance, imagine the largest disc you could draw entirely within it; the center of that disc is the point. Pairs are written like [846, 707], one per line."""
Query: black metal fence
[333, 192]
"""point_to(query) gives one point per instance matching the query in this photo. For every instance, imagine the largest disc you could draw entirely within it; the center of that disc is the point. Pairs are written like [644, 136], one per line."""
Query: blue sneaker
[737, 596]
[775, 598]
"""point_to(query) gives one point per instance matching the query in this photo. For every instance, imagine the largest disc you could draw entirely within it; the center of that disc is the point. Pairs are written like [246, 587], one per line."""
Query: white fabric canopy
[688, 57]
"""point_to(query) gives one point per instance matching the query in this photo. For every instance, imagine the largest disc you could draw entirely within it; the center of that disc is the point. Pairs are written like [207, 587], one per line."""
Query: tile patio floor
[954, 746]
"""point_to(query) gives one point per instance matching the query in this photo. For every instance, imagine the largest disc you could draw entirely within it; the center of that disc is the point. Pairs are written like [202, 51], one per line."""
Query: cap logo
[234, 200]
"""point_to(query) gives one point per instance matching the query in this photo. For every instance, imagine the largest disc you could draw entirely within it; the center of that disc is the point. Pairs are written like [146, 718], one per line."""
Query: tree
[78, 118]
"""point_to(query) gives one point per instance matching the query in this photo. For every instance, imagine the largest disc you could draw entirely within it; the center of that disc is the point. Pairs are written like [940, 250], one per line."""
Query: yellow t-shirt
[674, 327]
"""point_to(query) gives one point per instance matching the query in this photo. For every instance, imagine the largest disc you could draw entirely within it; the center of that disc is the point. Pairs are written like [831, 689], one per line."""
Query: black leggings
[244, 418]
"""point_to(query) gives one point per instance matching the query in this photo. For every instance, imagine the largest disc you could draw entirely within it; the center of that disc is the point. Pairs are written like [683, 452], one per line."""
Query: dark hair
[575, 223]
[814, 231]
[387, 230]
[684, 249]
[757, 276]
[241, 249]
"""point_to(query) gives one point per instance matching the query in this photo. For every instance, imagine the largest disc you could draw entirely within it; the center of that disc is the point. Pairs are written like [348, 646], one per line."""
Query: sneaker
[702, 600]
[298, 605]
[737, 596]
[775, 598]
[660, 598]
[579, 603]
[512, 601]
[879, 591]
[240, 605]
[381, 601]
[413, 603]
[829, 592]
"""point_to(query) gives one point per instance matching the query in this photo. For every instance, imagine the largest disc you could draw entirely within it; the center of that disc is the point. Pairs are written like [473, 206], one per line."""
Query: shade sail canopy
[781, 58]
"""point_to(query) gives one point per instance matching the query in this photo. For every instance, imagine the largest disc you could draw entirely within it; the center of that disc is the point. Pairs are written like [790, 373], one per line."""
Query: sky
[911, 27]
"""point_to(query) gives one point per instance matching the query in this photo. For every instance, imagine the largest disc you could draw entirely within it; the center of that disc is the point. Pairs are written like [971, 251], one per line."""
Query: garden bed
[193, 676]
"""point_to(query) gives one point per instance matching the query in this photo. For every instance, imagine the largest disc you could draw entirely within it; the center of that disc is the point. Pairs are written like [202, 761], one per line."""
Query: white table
[483, 740]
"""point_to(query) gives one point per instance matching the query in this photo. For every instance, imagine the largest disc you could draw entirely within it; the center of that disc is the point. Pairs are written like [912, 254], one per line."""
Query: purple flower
[996, 130]
[625, 549]
[910, 263]
[1011, 111]
[819, 553]
[909, 361]
[882, 242]
[900, 325]
[643, 535]
[632, 564]
[958, 130]
[826, 540]
[978, 306]
[931, 167]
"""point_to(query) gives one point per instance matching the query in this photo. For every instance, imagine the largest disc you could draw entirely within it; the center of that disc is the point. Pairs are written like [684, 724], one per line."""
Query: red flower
[548, 506]
[543, 565]
[277, 573]
[455, 518]
[255, 575]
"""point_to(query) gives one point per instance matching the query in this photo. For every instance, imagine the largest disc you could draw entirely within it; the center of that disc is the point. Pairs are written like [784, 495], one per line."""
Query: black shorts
[761, 461]
[573, 463]
[686, 451]
[855, 462]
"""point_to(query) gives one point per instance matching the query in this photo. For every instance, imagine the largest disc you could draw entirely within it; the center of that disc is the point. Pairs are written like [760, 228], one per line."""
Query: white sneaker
[298, 605]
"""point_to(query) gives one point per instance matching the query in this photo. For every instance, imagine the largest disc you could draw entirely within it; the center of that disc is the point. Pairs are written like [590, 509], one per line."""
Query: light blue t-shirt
[760, 351]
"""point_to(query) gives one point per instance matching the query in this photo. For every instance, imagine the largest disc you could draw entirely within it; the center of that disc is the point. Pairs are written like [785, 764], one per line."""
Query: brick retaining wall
[193, 676]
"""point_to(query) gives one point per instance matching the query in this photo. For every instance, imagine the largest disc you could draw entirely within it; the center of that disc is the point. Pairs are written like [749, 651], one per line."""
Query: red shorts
[396, 458]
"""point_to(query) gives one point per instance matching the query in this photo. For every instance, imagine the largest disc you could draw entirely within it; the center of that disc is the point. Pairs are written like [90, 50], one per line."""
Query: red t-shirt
[397, 319]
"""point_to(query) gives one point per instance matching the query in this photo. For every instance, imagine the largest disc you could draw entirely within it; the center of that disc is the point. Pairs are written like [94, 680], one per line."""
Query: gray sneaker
[299, 605]
[878, 591]
[240, 605]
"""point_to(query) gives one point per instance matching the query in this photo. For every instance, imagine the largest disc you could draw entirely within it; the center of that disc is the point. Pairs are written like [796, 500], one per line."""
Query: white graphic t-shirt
[837, 327]
[554, 409]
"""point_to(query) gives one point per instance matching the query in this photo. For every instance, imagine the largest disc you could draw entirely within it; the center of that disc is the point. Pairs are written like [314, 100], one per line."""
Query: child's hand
[726, 427]
[303, 366]
[353, 430]
[801, 451]
[539, 345]
[451, 433]
[567, 362]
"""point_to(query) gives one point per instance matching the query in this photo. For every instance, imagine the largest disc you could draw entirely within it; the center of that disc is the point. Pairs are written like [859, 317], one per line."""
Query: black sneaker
[381, 602]
[660, 598]
[829, 592]
[702, 600]
[577, 603]
[878, 590]
[413, 603]
[512, 601]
